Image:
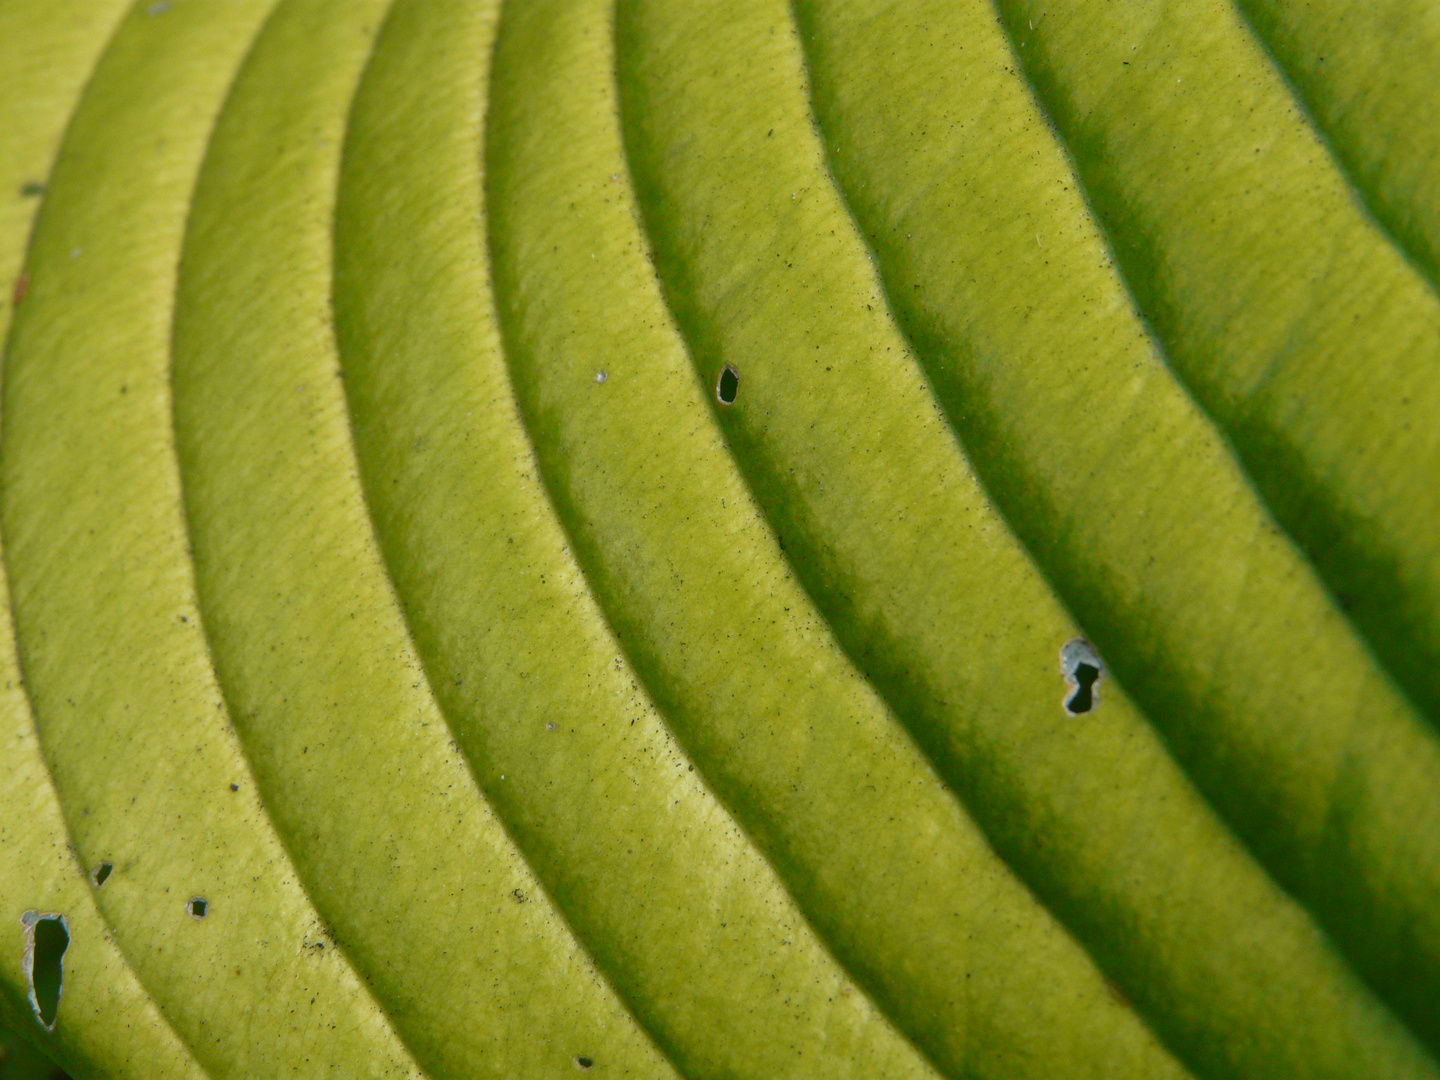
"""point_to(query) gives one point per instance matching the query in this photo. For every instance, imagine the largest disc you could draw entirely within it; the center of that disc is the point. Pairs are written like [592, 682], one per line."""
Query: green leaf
[763, 540]
[1122, 489]
[116, 666]
[21, 1061]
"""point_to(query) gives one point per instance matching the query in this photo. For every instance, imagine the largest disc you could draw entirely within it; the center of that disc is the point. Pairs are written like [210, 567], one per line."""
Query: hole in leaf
[584, 1064]
[1083, 672]
[197, 907]
[728, 385]
[1084, 698]
[101, 873]
[46, 939]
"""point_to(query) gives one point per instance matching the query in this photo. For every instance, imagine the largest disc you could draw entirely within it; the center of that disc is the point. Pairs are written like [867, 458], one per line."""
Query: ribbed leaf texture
[774, 539]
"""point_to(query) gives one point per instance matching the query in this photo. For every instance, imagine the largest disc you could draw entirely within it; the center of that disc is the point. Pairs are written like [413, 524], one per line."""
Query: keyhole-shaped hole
[1083, 699]
[1083, 672]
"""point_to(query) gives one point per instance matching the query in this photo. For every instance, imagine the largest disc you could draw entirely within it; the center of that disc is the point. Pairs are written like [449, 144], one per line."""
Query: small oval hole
[727, 386]
[197, 907]
[584, 1064]
[101, 873]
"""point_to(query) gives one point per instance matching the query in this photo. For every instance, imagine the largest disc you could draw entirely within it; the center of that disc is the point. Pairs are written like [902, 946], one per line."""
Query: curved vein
[856, 467]
[889, 869]
[125, 704]
[1366, 73]
[1289, 315]
[107, 1023]
[1123, 491]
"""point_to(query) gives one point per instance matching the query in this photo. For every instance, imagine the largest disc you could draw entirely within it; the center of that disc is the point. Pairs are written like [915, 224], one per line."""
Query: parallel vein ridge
[105, 1023]
[754, 541]
[202, 900]
[1123, 491]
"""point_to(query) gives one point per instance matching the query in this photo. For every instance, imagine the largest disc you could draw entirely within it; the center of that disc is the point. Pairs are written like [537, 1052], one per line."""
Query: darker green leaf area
[1367, 581]
[21, 1061]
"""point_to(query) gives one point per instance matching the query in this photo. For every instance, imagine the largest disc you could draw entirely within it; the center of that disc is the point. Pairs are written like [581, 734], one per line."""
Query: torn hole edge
[728, 369]
[30, 920]
[1073, 653]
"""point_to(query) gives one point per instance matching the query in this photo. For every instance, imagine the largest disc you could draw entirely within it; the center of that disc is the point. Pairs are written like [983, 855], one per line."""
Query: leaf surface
[1122, 489]
[768, 540]
[922, 578]
[148, 772]
[109, 1026]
